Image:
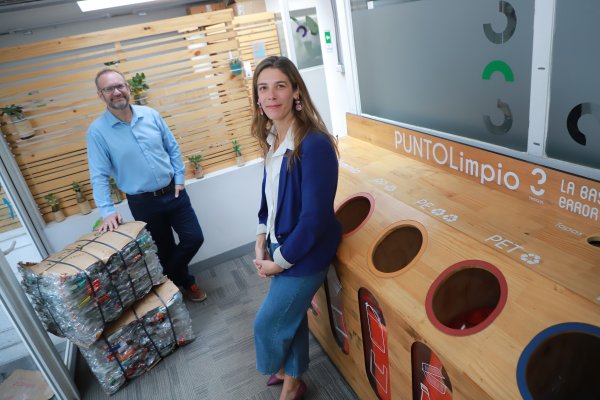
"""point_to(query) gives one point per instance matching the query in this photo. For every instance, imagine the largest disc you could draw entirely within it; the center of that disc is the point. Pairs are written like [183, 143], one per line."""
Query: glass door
[30, 358]
[298, 26]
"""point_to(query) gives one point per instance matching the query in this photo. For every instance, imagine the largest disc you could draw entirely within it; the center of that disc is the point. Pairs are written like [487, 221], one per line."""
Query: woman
[298, 233]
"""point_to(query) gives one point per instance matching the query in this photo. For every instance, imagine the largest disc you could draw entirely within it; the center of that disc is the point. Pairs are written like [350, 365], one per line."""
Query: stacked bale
[106, 293]
[147, 332]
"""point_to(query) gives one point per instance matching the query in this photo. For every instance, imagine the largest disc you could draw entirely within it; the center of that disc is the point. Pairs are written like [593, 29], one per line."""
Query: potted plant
[237, 149]
[54, 204]
[14, 121]
[82, 202]
[235, 65]
[115, 193]
[195, 162]
[138, 87]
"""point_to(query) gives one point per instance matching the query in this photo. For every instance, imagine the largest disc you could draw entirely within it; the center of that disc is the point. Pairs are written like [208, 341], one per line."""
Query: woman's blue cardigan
[305, 222]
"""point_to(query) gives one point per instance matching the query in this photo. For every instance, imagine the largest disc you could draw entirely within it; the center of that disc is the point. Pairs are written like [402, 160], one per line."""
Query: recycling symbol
[450, 217]
[531, 258]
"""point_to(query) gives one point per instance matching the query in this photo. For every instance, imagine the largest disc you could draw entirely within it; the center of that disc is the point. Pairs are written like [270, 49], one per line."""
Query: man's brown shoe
[194, 293]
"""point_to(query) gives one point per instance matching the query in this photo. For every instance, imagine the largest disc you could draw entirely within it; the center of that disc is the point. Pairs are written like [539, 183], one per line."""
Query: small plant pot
[236, 68]
[17, 125]
[140, 99]
[198, 172]
[84, 207]
[3, 127]
[240, 161]
[6, 125]
[59, 216]
[24, 129]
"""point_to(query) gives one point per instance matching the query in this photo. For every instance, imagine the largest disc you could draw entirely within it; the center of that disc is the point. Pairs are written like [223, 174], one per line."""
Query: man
[133, 144]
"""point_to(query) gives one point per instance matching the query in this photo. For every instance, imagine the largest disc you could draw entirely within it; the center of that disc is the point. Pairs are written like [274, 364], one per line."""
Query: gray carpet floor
[220, 363]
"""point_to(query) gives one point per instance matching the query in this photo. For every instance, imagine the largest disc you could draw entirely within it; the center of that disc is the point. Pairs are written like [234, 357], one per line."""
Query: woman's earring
[298, 105]
[260, 110]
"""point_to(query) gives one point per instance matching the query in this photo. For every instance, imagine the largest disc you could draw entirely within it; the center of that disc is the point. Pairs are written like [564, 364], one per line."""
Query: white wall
[227, 207]
[314, 78]
[226, 203]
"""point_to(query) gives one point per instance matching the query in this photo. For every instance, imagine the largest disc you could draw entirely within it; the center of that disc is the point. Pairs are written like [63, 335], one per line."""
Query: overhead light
[93, 5]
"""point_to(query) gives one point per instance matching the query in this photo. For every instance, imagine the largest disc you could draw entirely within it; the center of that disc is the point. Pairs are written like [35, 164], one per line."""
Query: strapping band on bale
[37, 282]
[168, 316]
[111, 349]
[90, 282]
[142, 253]
[110, 277]
[141, 321]
[124, 263]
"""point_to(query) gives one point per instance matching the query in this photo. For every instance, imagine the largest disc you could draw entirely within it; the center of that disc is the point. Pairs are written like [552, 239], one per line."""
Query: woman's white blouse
[273, 162]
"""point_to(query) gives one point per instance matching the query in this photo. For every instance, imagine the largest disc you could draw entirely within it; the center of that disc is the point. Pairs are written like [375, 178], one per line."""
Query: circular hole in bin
[354, 212]
[466, 297]
[397, 248]
[594, 241]
[561, 363]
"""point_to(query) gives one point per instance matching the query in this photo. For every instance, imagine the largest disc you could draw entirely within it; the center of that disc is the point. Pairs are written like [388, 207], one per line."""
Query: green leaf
[97, 224]
[312, 26]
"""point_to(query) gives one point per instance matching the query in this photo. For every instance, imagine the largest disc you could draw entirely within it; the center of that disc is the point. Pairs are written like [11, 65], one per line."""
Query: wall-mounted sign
[540, 185]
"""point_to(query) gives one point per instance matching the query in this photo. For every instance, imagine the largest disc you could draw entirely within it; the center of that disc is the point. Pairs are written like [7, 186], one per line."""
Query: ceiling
[20, 5]
[13, 5]
[27, 15]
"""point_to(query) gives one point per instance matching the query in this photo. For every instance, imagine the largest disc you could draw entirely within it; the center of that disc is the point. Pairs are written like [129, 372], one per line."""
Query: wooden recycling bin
[451, 283]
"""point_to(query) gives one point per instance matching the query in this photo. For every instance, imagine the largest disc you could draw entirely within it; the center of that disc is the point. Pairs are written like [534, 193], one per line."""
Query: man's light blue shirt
[142, 156]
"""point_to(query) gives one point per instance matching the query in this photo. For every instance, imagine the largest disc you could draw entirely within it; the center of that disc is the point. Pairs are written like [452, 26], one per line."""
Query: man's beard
[119, 104]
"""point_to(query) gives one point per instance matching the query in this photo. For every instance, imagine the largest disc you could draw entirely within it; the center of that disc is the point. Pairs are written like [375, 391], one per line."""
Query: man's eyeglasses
[109, 89]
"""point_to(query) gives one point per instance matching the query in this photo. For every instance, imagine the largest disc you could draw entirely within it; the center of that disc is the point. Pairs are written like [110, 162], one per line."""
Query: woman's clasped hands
[267, 268]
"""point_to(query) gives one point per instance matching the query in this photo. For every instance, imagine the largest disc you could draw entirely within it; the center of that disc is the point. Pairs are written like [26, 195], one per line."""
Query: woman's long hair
[306, 120]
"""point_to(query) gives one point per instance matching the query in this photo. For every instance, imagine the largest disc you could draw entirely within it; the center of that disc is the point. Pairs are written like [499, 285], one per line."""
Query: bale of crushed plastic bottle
[150, 330]
[78, 290]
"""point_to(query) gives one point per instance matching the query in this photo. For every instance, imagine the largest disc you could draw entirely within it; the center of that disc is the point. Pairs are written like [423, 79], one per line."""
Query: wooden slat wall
[186, 64]
[7, 221]
[256, 30]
